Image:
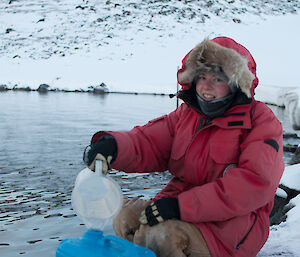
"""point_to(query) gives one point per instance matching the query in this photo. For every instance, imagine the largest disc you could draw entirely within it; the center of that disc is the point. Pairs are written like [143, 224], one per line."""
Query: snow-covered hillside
[137, 45]
[41, 29]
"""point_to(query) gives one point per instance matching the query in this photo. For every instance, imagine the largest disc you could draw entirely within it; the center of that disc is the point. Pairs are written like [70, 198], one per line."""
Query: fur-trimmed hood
[227, 56]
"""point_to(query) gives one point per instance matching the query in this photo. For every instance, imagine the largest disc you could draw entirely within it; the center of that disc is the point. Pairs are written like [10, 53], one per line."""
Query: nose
[207, 84]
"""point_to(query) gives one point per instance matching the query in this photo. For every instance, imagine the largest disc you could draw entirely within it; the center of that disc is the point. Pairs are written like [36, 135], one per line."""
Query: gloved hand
[160, 211]
[105, 149]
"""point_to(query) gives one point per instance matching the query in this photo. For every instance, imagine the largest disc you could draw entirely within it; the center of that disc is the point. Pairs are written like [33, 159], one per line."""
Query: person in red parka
[224, 150]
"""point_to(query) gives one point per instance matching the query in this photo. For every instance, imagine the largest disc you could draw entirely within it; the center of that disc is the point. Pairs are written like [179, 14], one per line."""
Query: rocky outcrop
[296, 157]
[288, 189]
[291, 100]
[43, 88]
[100, 89]
[282, 204]
[3, 88]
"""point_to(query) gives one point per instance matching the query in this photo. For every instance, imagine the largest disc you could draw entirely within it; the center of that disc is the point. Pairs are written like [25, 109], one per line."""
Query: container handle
[98, 167]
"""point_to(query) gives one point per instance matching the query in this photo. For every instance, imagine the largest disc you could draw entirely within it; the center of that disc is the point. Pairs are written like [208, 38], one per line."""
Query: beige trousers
[172, 238]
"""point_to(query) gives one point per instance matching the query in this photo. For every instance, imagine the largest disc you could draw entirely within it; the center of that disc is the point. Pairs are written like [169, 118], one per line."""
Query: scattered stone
[81, 7]
[43, 88]
[100, 89]
[290, 148]
[290, 135]
[27, 89]
[3, 88]
[282, 204]
[277, 215]
[53, 215]
[237, 20]
[41, 20]
[34, 241]
[54, 237]
[296, 157]
[69, 216]
[8, 30]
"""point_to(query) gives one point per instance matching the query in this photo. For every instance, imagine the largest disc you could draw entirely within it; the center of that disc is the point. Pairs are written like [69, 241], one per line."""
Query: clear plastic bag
[96, 198]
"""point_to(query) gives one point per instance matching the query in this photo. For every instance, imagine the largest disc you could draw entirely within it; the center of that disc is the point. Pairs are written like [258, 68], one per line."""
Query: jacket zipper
[203, 123]
[200, 124]
[245, 237]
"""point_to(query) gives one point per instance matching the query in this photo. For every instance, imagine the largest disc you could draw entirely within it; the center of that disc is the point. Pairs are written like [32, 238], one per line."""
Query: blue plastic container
[94, 244]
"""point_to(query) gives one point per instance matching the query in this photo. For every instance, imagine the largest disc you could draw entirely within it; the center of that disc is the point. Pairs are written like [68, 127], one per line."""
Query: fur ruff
[209, 56]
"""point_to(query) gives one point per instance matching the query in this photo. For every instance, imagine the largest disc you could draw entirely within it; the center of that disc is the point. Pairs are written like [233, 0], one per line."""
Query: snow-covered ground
[284, 239]
[137, 46]
[121, 44]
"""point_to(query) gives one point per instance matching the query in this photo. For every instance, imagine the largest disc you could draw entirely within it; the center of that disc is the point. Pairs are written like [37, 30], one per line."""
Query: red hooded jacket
[226, 170]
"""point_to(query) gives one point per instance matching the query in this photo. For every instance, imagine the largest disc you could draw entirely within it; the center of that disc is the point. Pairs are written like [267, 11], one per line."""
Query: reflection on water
[42, 137]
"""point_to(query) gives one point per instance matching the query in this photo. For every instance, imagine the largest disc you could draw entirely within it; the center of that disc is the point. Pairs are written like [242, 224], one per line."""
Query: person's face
[211, 87]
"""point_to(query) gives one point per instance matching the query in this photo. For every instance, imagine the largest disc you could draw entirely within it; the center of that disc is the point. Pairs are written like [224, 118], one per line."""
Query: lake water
[42, 137]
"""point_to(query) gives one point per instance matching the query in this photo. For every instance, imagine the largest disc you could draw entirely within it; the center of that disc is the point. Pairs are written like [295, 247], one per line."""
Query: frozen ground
[136, 46]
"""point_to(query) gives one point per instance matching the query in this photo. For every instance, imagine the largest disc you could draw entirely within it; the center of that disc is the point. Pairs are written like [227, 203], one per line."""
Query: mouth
[208, 97]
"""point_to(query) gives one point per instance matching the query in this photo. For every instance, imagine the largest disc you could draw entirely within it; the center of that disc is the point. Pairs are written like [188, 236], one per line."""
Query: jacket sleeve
[247, 187]
[146, 148]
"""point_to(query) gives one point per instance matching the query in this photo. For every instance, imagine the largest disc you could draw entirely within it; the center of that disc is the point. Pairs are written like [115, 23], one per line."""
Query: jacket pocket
[179, 147]
[225, 152]
[247, 234]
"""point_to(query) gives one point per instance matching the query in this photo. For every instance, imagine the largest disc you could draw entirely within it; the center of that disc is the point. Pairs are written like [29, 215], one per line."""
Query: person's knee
[165, 239]
[172, 238]
[127, 221]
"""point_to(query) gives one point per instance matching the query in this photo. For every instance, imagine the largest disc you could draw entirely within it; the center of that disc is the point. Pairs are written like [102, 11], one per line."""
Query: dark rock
[277, 215]
[43, 88]
[8, 30]
[3, 88]
[296, 157]
[27, 89]
[290, 135]
[81, 7]
[236, 20]
[290, 148]
[282, 205]
[100, 89]
[291, 193]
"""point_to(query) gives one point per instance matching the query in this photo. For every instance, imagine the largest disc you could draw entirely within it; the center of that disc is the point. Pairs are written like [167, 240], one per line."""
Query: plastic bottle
[94, 244]
[97, 199]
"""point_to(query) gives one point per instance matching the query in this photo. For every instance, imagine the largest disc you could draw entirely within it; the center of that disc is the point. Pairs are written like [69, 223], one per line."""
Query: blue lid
[94, 244]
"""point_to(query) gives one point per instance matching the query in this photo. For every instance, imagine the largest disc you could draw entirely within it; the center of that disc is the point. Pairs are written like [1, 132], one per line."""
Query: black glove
[160, 211]
[105, 149]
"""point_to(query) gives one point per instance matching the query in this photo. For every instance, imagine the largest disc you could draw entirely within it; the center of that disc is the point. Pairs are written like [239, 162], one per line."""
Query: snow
[68, 50]
[280, 192]
[291, 177]
[284, 238]
[133, 49]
